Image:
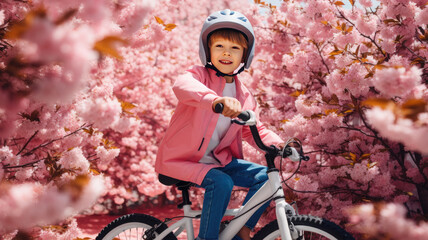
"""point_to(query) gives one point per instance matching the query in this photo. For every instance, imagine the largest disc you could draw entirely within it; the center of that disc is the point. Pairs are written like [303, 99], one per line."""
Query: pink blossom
[7, 156]
[75, 160]
[106, 155]
[397, 81]
[342, 40]
[2, 17]
[401, 130]
[401, 199]
[56, 8]
[367, 26]
[353, 80]
[131, 18]
[126, 124]
[151, 189]
[306, 184]
[365, 3]
[421, 17]
[118, 200]
[72, 230]
[389, 219]
[92, 191]
[102, 112]
[328, 176]
[32, 203]
[24, 174]
[305, 107]
[131, 142]
[44, 42]
[415, 174]
[96, 11]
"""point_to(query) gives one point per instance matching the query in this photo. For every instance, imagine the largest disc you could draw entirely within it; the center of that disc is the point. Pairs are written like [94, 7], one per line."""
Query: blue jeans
[218, 184]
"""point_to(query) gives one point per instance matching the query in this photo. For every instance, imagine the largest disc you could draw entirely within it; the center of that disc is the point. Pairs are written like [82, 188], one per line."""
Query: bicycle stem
[271, 151]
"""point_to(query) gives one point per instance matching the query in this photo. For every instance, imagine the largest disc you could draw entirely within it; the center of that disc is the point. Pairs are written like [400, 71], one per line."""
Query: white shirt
[221, 128]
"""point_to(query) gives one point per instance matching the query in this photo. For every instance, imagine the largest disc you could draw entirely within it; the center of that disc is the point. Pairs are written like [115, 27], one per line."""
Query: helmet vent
[243, 19]
[212, 18]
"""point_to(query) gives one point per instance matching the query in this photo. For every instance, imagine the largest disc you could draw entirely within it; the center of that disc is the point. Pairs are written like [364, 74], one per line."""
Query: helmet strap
[220, 74]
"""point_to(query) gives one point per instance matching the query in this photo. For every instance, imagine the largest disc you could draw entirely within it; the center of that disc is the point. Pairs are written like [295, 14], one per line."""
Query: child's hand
[232, 107]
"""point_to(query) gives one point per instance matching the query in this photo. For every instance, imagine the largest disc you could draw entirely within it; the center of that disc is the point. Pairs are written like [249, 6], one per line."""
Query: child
[203, 147]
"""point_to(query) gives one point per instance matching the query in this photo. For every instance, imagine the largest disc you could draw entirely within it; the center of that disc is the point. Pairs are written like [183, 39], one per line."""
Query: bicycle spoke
[131, 234]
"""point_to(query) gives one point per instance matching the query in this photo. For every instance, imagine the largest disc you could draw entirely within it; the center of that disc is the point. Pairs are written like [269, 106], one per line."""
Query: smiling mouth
[225, 62]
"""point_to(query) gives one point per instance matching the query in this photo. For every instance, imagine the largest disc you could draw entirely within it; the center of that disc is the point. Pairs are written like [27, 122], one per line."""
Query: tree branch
[358, 130]
[29, 140]
[52, 141]
[322, 59]
[368, 37]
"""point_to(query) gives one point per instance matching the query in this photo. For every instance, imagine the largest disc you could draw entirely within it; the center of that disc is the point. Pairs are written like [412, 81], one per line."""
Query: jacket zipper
[205, 133]
[212, 153]
[203, 139]
[206, 129]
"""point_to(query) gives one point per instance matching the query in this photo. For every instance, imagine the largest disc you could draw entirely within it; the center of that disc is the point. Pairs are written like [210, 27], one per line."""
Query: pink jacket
[193, 123]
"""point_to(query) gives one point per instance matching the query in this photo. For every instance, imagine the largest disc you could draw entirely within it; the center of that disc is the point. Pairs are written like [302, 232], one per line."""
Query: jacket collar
[219, 83]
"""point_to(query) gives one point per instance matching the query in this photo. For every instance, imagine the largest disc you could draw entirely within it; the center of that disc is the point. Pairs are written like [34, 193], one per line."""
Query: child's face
[226, 56]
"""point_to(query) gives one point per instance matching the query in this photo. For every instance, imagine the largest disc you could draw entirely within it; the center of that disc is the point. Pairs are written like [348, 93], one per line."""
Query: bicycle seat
[165, 180]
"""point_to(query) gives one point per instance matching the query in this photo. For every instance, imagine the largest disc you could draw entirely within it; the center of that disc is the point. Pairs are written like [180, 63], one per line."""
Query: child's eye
[236, 47]
[219, 45]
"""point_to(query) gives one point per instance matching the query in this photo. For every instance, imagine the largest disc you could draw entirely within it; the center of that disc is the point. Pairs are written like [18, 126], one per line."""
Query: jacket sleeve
[267, 136]
[189, 90]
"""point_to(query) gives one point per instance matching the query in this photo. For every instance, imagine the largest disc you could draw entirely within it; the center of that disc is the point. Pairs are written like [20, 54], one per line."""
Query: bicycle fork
[271, 190]
[282, 208]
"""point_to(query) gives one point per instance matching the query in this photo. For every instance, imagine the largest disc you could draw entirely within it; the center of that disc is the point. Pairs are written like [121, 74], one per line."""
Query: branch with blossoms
[83, 126]
[385, 221]
[372, 40]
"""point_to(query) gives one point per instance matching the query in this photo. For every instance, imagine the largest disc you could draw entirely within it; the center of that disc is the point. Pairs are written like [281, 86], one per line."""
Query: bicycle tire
[310, 225]
[133, 226]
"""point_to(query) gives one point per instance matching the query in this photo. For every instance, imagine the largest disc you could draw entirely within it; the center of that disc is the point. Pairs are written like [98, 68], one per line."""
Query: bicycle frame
[271, 190]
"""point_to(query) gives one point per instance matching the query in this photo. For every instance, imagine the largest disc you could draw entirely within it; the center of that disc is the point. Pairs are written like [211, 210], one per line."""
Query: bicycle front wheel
[133, 226]
[309, 227]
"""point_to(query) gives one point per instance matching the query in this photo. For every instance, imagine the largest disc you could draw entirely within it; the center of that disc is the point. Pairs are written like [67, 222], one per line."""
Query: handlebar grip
[218, 108]
[244, 116]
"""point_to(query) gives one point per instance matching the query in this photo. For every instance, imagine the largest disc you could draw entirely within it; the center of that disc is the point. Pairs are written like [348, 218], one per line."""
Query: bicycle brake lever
[293, 154]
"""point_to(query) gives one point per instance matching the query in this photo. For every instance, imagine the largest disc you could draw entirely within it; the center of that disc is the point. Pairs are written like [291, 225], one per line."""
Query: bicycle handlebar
[244, 116]
[248, 118]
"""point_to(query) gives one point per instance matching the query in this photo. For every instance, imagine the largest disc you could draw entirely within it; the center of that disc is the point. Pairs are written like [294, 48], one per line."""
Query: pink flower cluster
[332, 62]
[400, 129]
[75, 160]
[103, 113]
[35, 204]
[397, 81]
[386, 221]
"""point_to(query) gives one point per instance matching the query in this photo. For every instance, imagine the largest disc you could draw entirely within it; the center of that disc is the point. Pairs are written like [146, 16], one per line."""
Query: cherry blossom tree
[86, 96]
[53, 108]
[352, 85]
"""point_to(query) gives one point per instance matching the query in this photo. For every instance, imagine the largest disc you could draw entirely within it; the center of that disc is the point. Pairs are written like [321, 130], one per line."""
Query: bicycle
[289, 225]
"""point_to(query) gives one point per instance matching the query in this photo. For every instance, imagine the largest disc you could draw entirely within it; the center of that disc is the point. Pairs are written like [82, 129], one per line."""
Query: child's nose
[226, 53]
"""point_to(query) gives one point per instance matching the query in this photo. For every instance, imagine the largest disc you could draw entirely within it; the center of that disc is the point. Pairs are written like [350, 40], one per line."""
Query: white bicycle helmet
[226, 19]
